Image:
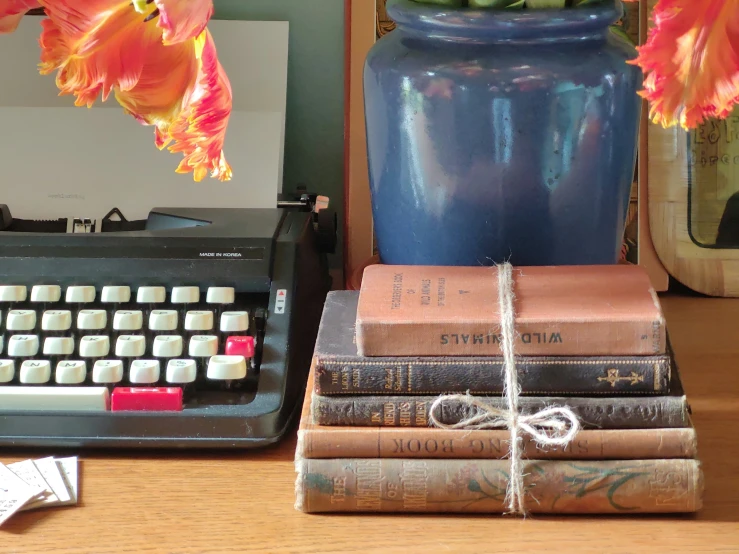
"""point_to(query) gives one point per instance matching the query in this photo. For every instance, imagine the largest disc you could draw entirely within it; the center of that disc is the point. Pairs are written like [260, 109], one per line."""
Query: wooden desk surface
[222, 503]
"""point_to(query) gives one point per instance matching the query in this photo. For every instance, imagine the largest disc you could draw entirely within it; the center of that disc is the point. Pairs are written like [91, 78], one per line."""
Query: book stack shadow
[397, 364]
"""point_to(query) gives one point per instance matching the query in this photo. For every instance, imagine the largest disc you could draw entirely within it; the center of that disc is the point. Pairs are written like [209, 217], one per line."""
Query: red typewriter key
[240, 346]
[146, 399]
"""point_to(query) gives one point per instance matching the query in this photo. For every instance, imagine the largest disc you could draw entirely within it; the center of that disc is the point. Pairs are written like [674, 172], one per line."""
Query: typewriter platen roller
[192, 328]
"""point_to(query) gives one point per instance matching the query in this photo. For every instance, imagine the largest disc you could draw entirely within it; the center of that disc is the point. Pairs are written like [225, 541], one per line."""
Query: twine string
[551, 426]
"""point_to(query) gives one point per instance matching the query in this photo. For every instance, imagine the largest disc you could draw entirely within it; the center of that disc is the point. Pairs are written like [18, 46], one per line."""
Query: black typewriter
[190, 328]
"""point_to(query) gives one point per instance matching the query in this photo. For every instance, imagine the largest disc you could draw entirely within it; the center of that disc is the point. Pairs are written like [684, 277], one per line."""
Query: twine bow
[552, 426]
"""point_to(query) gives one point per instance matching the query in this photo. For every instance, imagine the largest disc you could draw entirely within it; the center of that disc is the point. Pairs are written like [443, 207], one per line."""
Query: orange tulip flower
[156, 57]
[691, 61]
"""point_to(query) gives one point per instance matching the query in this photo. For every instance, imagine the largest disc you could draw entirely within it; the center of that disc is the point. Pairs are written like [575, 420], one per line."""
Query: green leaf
[474, 486]
[578, 3]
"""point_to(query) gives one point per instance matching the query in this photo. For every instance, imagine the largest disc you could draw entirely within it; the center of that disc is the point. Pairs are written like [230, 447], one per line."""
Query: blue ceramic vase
[499, 135]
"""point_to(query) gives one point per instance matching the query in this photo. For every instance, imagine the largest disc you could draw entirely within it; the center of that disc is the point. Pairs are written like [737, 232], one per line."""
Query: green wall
[314, 141]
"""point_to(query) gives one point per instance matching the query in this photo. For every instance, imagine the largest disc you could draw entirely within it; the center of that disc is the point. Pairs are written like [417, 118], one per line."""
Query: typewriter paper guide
[62, 161]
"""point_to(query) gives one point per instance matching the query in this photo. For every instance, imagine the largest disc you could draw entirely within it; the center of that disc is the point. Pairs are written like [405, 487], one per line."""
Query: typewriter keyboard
[121, 348]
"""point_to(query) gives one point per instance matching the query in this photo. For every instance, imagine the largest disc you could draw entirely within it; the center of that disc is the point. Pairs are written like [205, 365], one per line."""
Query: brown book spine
[474, 338]
[387, 442]
[479, 486]
[560, 311]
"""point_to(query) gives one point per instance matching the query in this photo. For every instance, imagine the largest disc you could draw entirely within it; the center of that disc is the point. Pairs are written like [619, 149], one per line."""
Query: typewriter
[193, 327]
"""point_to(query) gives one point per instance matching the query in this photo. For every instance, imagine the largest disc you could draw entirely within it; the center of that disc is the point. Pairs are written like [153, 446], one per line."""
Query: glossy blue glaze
[501, 135]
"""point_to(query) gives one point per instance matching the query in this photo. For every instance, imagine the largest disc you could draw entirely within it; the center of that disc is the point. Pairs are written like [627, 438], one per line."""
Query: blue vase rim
[433, 20]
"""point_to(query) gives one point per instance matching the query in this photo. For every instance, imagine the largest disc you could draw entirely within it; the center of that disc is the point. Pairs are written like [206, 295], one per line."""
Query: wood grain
[358, 231]
[684, 241]
[207, 503]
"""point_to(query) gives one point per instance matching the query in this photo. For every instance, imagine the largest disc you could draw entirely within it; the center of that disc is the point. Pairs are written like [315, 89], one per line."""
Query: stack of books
[419, 339]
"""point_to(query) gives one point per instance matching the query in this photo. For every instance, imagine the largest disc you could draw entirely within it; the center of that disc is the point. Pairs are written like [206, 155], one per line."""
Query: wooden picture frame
[691, 257]
[361, 33]
[647, 254]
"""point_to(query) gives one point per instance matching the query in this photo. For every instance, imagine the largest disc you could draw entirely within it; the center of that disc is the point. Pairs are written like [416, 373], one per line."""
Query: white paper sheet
[57, 160]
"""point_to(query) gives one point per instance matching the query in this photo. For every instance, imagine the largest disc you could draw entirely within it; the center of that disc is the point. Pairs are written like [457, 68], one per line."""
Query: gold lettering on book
[389, 414]
[376, 417]
[339, 494]
[369, 484]
[668, 488]
[405, 414]
[388, 378]
[345, 379]
[613, 376]
[421, 414]
[355, 378]
[334, 379]
[413, 480]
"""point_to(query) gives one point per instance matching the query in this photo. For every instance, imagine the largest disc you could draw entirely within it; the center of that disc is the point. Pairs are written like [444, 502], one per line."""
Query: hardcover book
[340, 370]
[448, 486]
[426, 441]
[602, 310]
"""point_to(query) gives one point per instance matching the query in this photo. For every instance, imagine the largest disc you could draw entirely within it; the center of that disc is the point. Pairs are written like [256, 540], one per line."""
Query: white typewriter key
[7, 371]
[23, 346]
[181, 371]
[128, 320]
[92, 320]
[91, 399]
[93, 346]
[13, 293]
[167, 346]
[144, 372]
[46, 293]
[21, 320]
[163, 320]
[58, 346]
[203, 345]
[220, 295]
[71, 372]
[56, 320]
[151, 295]
[198, 321]
[111, 294]
[185, 295]
[226, 367]
[2, 344]
[35, 372]
[234, 322]
[130, 346]
[107, 372]
[80, 295]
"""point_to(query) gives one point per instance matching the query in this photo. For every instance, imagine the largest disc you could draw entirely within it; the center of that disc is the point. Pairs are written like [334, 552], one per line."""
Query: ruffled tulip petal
[691, 61]
[200, 130]
[12, 11]
[180, 89]
[185, 93]
[95, 45]
[182, 20]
